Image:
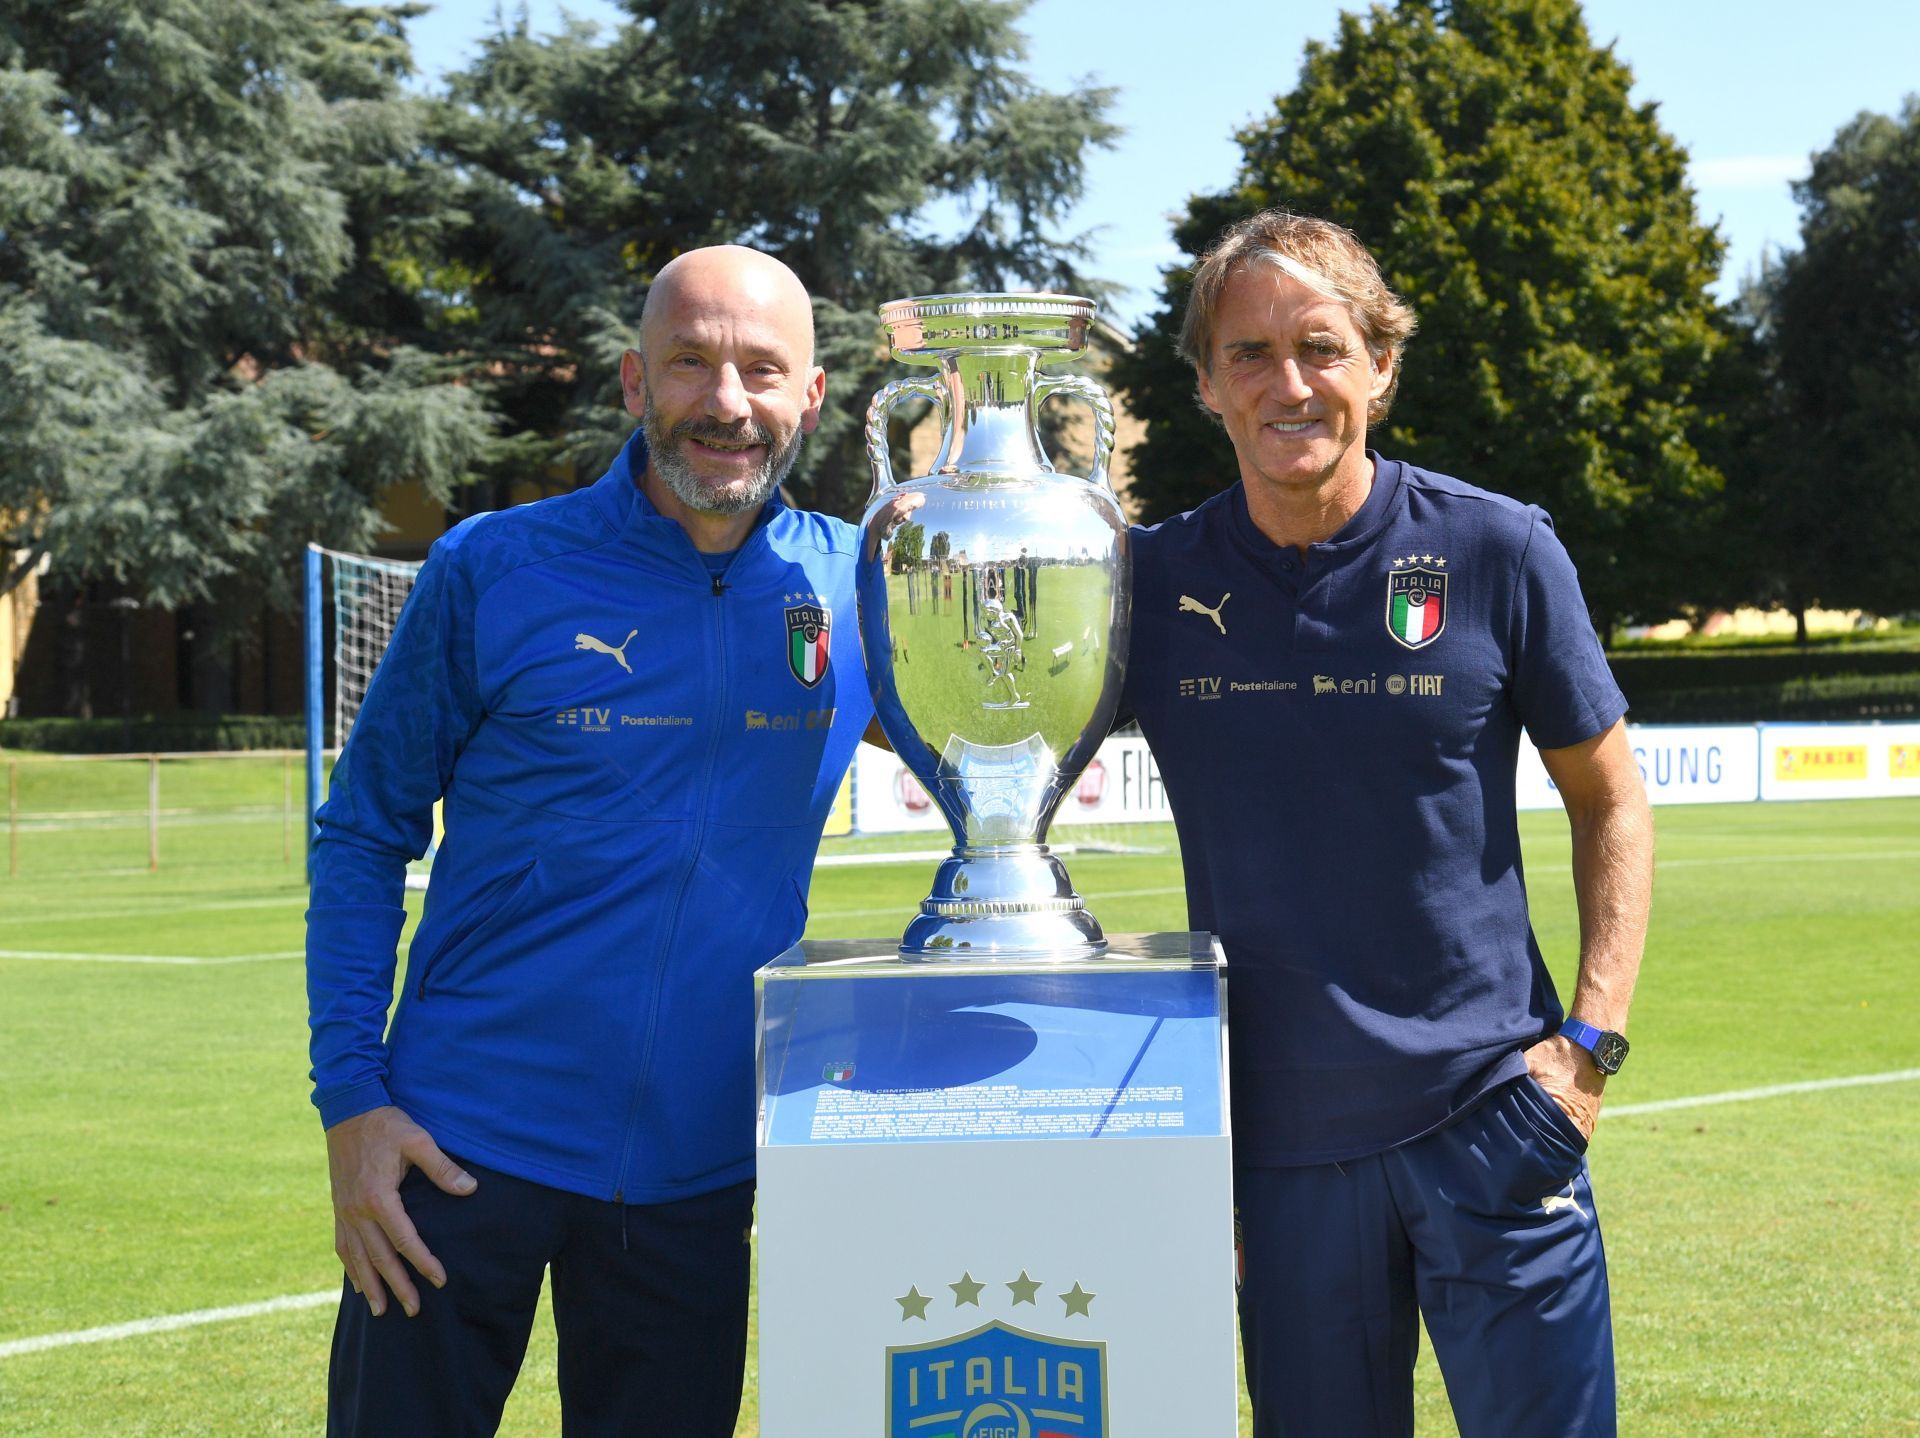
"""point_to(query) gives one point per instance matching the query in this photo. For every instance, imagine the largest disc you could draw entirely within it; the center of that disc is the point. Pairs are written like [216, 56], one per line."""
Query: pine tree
[1542, 227]
[203, 360]
[1832, 504]
[882, 148]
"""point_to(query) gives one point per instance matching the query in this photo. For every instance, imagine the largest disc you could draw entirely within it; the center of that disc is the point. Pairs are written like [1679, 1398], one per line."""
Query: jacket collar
[628, 511]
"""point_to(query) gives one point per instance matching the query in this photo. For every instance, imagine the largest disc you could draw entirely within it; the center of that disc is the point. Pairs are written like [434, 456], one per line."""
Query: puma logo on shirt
[1190, 605]
[600, 646]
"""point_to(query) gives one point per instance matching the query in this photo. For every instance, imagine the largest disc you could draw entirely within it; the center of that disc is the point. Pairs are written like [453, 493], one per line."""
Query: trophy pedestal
[995, 1199]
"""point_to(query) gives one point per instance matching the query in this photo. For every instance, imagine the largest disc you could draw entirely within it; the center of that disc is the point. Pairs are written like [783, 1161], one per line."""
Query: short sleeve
[1562, 688]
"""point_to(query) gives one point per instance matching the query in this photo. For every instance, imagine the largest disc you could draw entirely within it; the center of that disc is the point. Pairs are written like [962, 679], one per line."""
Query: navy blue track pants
[1486, 1228]
[649, 1303]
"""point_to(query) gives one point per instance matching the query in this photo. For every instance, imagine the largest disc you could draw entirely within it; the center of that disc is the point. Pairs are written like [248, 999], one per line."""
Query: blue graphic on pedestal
[998, 1382]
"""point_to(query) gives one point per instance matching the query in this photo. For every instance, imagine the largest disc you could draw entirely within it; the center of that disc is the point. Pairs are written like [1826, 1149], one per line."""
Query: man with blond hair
[1412, 1103]
[567, 1082]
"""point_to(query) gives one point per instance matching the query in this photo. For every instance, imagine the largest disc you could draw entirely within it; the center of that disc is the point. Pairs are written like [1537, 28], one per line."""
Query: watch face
[1609, 1052]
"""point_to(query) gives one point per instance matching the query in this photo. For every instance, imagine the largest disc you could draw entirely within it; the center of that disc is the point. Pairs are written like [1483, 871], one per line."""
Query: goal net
[353, 602]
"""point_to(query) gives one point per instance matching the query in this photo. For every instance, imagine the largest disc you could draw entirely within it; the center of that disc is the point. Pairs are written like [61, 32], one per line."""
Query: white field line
[189, 960]
[316, 1300]
[170, 1321]
[153, 911]
[1743, 1095]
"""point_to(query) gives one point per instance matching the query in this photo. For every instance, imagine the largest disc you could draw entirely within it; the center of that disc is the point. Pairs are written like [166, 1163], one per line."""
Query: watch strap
[1586, 1035]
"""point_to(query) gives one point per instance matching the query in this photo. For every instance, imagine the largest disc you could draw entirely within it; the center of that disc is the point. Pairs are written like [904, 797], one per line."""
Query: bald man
[638, 701]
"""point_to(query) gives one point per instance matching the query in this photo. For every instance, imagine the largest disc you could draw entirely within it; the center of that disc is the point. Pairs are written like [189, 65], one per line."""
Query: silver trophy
[994, 614]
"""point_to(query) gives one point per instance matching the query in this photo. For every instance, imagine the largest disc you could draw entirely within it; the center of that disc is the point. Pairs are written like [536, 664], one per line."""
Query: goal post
[352, 604]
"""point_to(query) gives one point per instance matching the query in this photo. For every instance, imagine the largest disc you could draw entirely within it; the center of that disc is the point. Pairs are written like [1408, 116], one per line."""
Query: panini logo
[1803, 762]
[997, 1382]
[1903, 761]
[1208, 688]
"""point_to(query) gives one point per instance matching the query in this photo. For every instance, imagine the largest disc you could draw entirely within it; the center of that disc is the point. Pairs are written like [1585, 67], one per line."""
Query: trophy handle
[884, 399]
[1079, 387]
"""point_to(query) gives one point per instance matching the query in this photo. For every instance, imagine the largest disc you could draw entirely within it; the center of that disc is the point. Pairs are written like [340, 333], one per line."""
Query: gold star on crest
[1025, 1289]
[913, 1304]
[966, 1291]
[1079, 1301]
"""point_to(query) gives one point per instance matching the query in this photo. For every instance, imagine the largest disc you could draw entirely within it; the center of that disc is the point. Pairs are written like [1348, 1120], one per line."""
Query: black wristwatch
[1608, 1048]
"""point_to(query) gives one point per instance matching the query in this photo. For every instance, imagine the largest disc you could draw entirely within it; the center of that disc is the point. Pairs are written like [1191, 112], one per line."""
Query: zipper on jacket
[680, 894]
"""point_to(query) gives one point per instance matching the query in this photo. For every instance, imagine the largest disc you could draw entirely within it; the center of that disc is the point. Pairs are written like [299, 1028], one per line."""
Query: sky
[1750, 88]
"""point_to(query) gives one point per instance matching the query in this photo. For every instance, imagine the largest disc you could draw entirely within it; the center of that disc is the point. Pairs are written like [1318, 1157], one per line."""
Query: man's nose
[1290, 384]
[727, 400]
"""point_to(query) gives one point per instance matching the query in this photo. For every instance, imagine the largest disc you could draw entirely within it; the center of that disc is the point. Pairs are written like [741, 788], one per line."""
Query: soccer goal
[353, 602]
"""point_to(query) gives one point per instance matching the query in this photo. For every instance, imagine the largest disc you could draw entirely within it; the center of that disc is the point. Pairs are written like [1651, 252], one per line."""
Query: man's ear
[1382, 375]
[633, 383]
[816, 394]
[1204, 382]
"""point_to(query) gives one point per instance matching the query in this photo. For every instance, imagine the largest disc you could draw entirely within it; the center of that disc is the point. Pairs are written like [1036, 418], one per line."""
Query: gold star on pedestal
[966, 1291]
[1079, 1301]
[1025, 1288]
[913, 1304]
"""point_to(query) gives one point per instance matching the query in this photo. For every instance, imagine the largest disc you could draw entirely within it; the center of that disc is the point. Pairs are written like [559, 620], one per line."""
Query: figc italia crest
[1416, 605]
[809, 636]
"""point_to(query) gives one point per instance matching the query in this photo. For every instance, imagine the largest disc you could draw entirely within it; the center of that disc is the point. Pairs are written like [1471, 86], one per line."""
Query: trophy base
[1014, 903]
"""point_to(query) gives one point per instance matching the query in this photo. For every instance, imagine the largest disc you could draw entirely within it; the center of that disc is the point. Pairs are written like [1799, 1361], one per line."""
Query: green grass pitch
[158, 1155]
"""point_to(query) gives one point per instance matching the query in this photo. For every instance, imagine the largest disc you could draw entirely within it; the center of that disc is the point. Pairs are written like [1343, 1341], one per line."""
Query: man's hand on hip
[1562, 1068]
[367, 1156]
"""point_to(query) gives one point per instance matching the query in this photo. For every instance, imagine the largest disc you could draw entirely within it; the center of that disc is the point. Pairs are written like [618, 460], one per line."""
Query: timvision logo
[998, 1382]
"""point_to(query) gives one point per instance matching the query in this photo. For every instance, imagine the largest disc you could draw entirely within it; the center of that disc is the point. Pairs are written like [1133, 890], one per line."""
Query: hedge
[148, 734]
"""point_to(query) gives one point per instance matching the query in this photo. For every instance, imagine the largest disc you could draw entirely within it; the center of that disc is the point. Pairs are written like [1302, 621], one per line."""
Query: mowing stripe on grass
[296, 901]
[1742, 1095]
[187, 959]
[170, 1321]
[316, 1300]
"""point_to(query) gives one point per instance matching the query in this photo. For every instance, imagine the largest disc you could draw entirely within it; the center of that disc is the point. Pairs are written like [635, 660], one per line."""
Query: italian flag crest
[809, 630]
[1416, 606]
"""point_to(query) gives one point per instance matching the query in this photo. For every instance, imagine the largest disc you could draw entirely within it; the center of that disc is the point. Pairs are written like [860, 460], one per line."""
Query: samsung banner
[1681, 764]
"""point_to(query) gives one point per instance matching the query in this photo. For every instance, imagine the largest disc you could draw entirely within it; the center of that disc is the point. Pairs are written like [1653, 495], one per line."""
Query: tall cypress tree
[1831, 506]
[1542, 227]
[203, 361]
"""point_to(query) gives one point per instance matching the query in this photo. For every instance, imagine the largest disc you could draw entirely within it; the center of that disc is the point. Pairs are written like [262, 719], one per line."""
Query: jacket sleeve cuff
[342, 1104]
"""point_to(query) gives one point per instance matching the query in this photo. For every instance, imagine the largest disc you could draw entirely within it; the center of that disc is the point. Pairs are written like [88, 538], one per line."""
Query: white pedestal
[995, 1200]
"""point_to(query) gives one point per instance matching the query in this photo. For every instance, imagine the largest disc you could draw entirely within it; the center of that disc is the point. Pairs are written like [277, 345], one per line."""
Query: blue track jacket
[637, 760]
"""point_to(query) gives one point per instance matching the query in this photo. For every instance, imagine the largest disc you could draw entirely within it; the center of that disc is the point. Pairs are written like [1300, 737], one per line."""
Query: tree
[201, 365]
[1542, 227]
[1831, 508]
[847, 137]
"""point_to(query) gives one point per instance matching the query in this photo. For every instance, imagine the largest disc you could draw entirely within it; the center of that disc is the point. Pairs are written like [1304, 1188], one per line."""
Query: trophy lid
[929, 325]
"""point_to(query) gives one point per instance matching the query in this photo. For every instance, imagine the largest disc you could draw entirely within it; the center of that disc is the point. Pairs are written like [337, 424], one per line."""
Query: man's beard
[734, 496]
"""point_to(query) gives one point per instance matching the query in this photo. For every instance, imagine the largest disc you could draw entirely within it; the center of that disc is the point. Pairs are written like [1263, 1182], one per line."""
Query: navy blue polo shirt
[1338, 738]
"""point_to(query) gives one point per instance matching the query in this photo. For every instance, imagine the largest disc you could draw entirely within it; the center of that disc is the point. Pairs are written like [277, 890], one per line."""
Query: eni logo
[600, 646]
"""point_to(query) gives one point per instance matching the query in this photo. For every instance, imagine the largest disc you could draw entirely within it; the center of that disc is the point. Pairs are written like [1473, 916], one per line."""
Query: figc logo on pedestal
[997, 1382]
